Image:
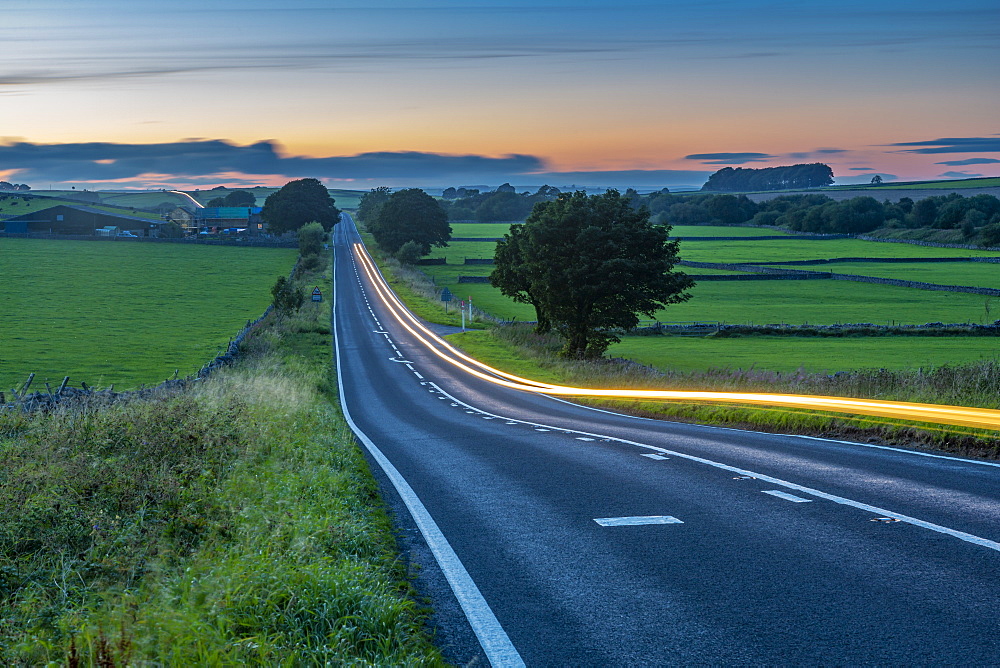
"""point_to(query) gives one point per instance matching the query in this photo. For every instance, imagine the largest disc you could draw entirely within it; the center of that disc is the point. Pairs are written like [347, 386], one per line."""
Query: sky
[105, 94]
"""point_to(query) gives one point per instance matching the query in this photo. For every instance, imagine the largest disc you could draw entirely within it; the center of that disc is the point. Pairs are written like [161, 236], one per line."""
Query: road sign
[317, 295]
[445, 295]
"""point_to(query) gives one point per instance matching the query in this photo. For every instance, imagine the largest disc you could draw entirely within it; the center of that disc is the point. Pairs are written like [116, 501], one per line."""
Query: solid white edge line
[494, 640]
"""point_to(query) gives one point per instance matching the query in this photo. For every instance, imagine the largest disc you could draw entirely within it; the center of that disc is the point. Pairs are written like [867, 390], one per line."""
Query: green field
[815, 355]
[126, 314]
[779, 250]
[789, 302]
[723, 231]
[975, 274]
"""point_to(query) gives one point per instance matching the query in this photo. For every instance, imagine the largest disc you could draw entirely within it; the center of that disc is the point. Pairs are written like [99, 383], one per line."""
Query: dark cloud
[953, 145]
[203, 158]
[960, 175]
[969, 161]
[860, 169]
[729, 158]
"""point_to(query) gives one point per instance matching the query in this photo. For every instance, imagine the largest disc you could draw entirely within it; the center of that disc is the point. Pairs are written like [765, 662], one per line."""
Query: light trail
[981, 418]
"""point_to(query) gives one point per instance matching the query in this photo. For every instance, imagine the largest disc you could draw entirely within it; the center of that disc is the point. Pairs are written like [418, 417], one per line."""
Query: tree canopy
[410, 215]
[297, 203]
[590, 265]
[747, 179]
[239, 198]
[371, 202]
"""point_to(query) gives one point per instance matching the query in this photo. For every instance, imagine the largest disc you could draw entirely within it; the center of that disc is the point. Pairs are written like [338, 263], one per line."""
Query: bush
[410, 252]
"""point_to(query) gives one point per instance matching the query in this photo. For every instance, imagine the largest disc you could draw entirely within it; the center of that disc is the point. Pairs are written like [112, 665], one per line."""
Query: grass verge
[516, 349]
[234, 522]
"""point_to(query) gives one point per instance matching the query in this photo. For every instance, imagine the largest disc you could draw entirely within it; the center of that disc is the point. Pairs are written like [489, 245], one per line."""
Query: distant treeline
[502, 204]
[745, 179]
[978, 217]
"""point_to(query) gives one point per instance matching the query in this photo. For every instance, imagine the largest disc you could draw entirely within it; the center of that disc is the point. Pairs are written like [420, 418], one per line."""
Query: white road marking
[583, 438]
[539, 429]
[636, 521]
[653, 455]
[417, 374]
[500, 651]
[961, 535]
[786, 496]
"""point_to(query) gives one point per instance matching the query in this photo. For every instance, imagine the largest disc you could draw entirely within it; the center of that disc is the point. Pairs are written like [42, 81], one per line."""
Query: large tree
[410, 215]
[240, 198]
[510, 274]
[371, 202]
[591, 265]
[297, 203]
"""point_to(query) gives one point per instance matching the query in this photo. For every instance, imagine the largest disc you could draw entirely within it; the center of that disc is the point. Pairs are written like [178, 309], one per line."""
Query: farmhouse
[225, 217]
[70, 219]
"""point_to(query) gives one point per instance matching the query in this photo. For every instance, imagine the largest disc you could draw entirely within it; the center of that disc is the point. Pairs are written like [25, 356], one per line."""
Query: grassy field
[779, 250]
[813, 355]
[961, 183]
[233, 523]
[789, 302]
[976, 274]
[125, 314]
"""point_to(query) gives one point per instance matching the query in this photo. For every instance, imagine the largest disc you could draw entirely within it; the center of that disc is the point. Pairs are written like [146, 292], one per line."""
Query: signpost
[317, 296]
[445, 297]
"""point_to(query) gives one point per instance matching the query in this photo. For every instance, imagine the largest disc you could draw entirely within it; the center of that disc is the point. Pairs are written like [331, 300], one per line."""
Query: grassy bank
[234, 522]
[517, 350]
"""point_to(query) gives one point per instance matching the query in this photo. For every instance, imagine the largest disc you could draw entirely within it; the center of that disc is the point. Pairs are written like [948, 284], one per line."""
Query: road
[742, 547]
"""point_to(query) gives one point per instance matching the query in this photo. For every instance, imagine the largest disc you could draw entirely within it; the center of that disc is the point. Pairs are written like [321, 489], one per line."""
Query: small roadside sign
[445, 295]
[317, 295]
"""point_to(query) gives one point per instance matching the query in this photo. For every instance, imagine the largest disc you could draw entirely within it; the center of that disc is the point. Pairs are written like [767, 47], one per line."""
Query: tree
[287, 298]
[411, 215]
[240, 198]
[171, 230]
[297, 203]
[593, 264]
[876, 180]
[216, 202]
[371, 202]
[505, 188]
[311, 236]
[511, 275]
[409, 253]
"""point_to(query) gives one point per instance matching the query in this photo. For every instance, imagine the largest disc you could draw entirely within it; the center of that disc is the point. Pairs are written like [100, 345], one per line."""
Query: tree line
[503, 204]
[978, 217]
[745, 179]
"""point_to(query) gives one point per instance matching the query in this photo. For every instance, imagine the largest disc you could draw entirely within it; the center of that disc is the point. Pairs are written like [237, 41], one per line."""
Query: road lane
[745, 577]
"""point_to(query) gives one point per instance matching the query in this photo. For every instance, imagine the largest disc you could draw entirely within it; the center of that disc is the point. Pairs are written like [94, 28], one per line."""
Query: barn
[69, 219]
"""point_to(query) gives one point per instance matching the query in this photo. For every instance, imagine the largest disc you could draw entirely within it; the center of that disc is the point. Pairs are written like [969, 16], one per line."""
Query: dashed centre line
[636, 521]
[786, 496]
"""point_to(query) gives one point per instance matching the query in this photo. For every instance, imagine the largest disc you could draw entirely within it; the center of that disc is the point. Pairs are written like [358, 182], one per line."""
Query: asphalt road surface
[557, 535]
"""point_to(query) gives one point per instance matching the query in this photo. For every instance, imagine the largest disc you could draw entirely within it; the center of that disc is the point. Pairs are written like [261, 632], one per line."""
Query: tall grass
[230, 523]
[518, 349]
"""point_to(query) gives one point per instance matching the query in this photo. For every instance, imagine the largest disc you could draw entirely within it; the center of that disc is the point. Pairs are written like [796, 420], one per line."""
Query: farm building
[225, 217]
[68, 219]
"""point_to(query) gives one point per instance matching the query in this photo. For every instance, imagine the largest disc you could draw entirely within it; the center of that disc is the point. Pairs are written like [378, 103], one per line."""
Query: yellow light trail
[982, 418]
